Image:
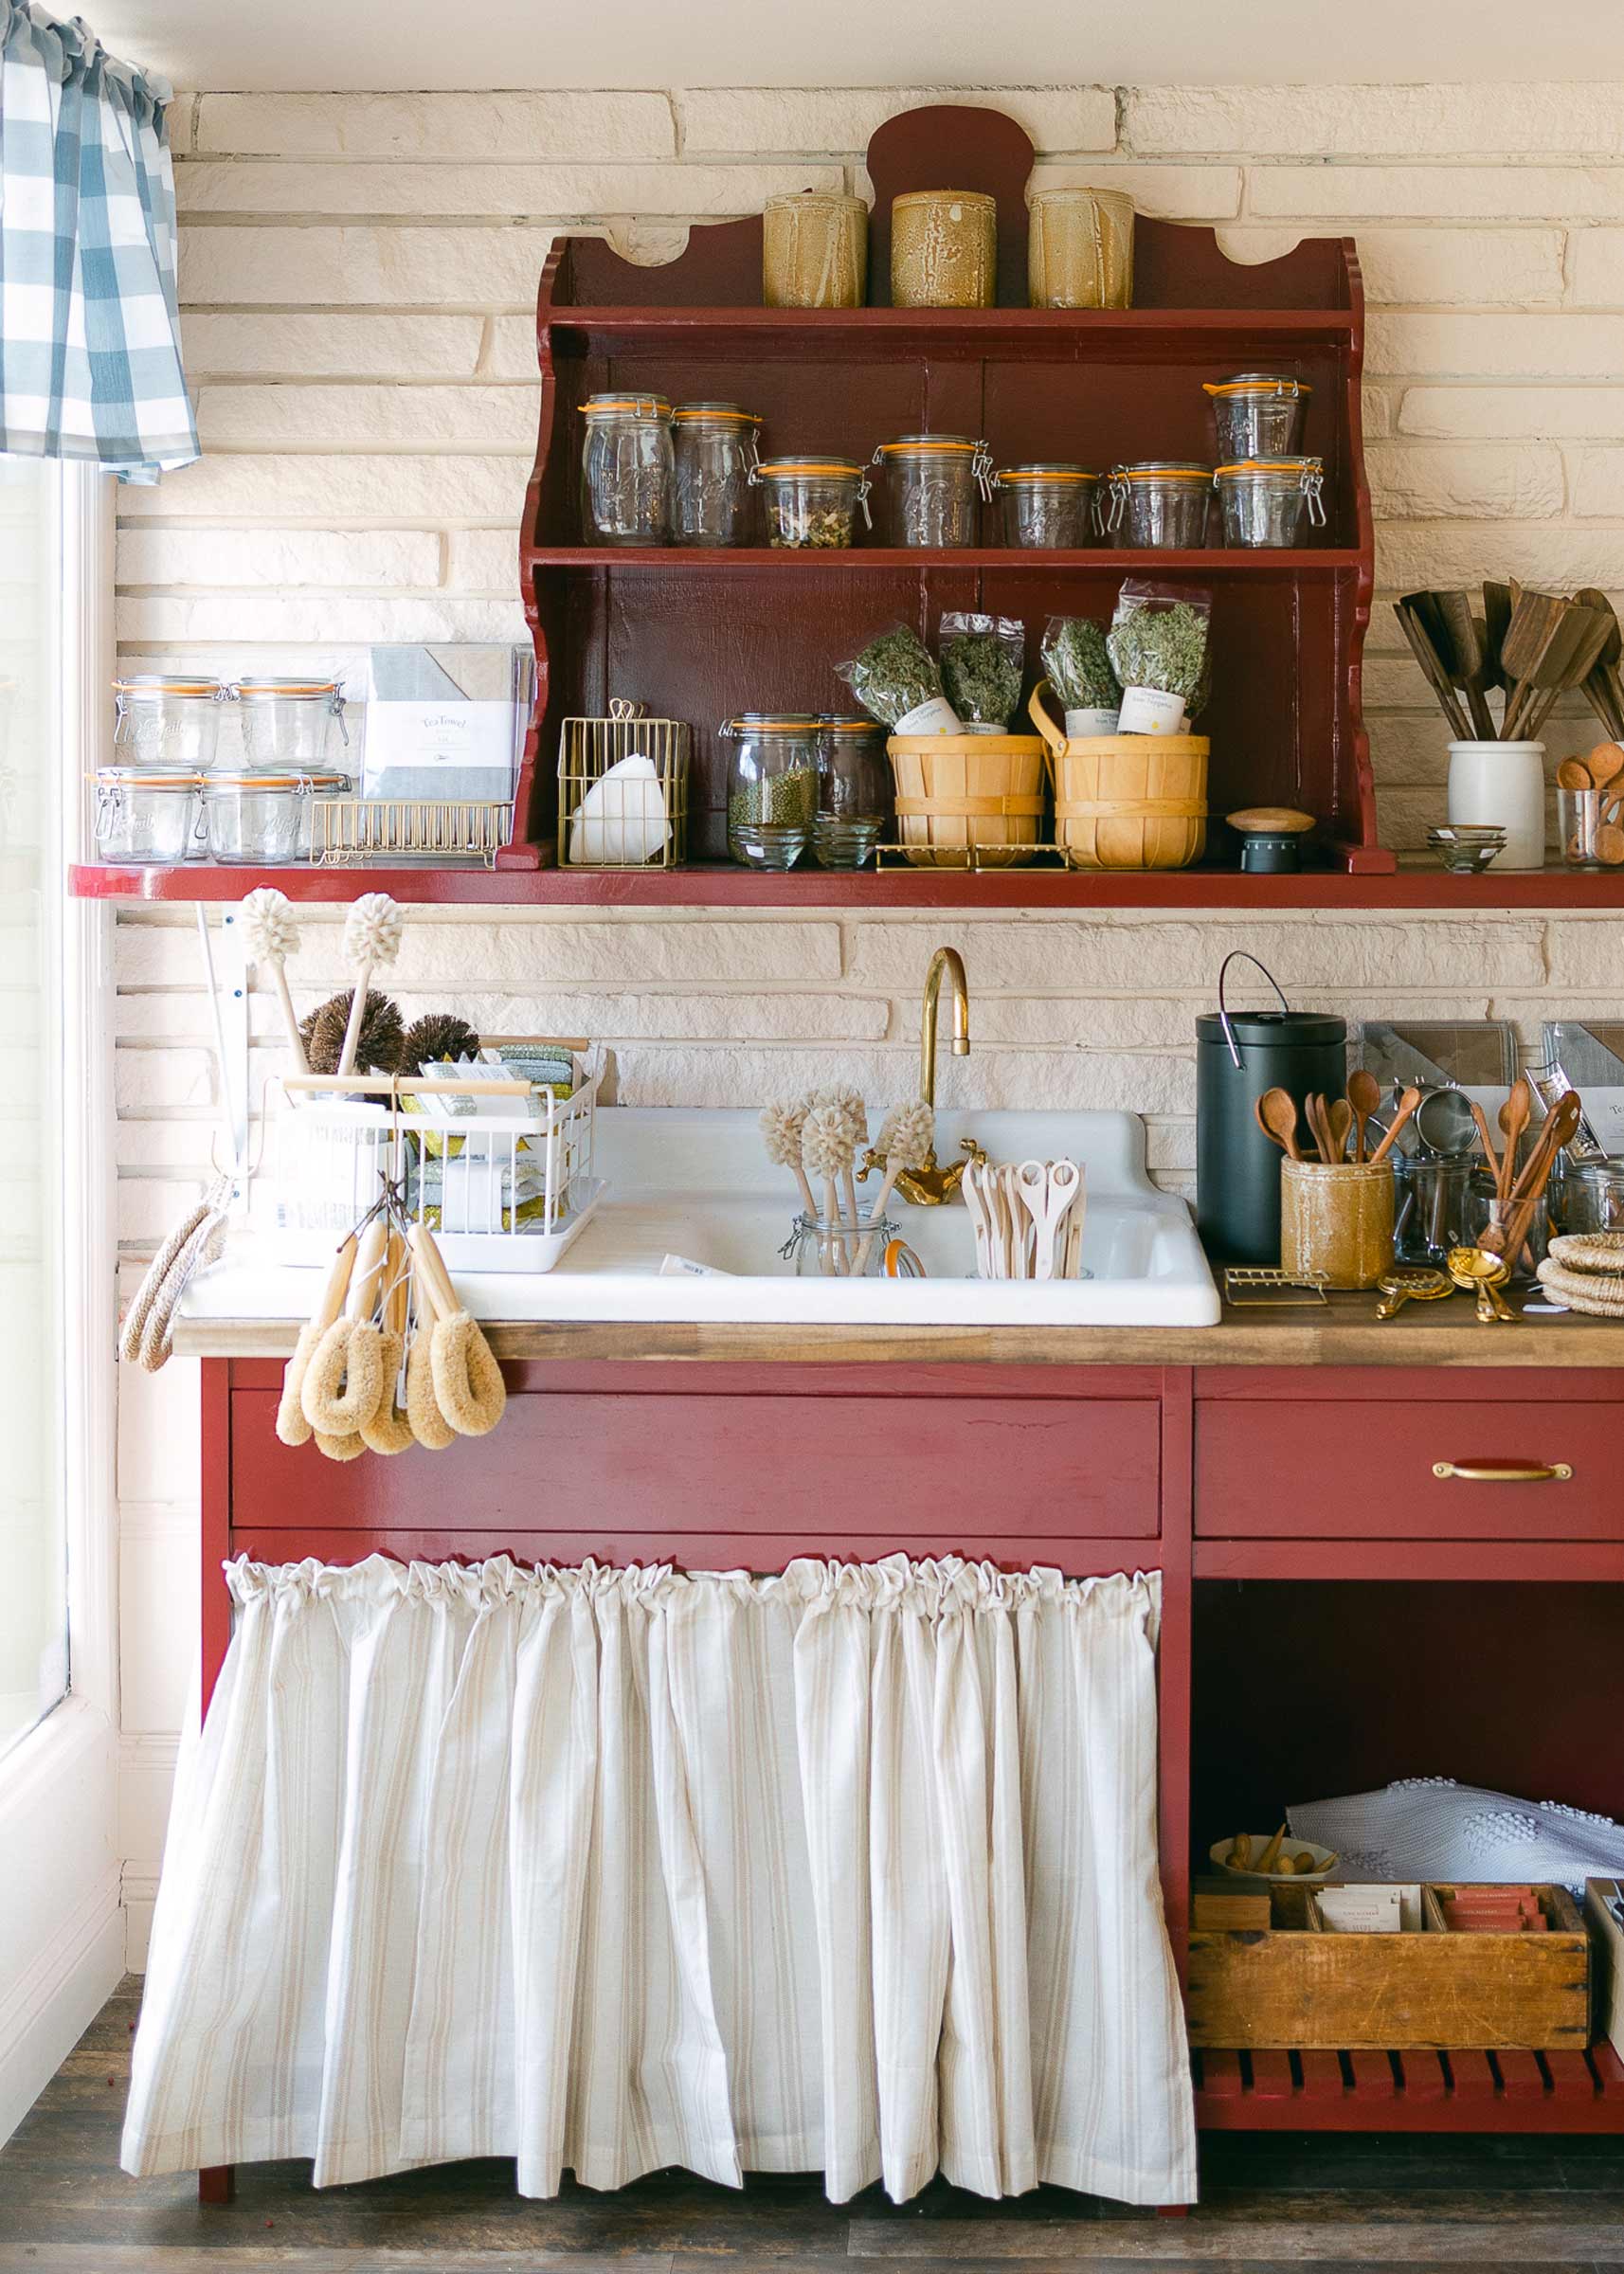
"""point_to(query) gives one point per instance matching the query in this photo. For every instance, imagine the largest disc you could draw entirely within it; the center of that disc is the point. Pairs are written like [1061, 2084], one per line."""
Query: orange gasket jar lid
[623, 405]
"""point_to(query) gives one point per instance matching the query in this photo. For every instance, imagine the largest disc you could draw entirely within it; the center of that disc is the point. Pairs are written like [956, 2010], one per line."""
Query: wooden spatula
[1535, 626]
[1438, 678]
[1461, 651]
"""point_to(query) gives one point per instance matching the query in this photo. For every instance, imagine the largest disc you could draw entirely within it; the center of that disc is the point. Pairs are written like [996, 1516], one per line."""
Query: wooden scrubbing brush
[372, 937]
[272, 936]
[849, 1104]
[326, 1028]
[827, 1147]
[780, 1132]
[906, 1136]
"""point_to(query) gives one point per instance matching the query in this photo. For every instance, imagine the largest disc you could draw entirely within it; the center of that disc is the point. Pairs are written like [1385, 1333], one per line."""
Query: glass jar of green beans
[772, 787]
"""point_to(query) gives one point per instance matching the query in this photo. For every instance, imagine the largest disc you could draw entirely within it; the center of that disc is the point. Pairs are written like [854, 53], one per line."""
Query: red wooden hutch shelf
[722, 884]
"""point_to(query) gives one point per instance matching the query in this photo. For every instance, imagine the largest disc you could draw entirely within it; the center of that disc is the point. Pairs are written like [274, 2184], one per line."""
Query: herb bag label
[1147, 711]
[1081, 723]
[937, 717]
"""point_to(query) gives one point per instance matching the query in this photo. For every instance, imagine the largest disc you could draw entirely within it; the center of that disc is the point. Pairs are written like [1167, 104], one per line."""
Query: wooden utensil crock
[1336, 1217]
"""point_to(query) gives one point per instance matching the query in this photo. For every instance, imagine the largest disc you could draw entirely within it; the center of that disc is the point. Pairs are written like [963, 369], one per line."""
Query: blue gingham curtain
[89, 331]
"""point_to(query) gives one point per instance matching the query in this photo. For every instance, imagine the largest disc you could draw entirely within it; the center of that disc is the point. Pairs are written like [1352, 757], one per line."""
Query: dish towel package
[446, 723]
[851, 1868]
[1432, 1827]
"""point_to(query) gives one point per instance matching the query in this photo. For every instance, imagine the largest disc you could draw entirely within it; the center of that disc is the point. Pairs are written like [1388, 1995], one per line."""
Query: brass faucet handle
[871, 1160]
[970, 1146]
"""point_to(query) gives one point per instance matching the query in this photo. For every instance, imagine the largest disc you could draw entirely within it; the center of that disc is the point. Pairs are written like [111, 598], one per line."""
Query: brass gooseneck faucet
[929, 1185]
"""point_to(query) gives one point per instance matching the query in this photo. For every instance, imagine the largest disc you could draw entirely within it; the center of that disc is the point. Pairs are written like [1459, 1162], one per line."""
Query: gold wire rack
[345, 832]
[636, 821]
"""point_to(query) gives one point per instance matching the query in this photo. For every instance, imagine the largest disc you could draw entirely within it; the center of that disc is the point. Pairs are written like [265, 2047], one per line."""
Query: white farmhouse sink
[699, 1185]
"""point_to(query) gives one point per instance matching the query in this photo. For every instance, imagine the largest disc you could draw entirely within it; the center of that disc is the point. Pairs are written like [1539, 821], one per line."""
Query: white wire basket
[499, 1171]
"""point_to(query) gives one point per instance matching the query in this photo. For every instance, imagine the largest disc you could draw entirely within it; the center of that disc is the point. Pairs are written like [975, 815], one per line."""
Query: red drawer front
[1331, 1468]
[952, 1468]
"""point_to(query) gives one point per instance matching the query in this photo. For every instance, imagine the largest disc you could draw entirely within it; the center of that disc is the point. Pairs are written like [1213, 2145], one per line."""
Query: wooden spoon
[1276, 1113]
[1604, 764]
[1574, 774]
[1365, 1097]
[1490, 1155]
[1314, 1109]
[1407, 1105]
[1514, 1116]
[1340, 1115]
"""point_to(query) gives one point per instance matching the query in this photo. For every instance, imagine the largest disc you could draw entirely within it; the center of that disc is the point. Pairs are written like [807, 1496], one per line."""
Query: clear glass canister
[167, 725]
[1589, 1195]
[1267, 502]
[1260, 414]
[1483, 1208]
[262, 819]
[772, 787]
[147, 818]
[813, 502]
[714, 448]
[853, 792]
[291, 726]
[1051, 507]
[1161, 502]
[934, 480]
[825, 1247]
[627, 470]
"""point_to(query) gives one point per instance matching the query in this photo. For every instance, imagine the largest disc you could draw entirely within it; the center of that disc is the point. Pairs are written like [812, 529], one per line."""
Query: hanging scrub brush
[826, 1149]
[780, 1132]
[437, 1036]
[906, 1136]
[325, 1032]
[371, 936]
[272, 936]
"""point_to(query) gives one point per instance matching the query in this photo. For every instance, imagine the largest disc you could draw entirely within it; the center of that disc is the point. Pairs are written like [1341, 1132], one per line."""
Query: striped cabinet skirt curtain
[851, 1870]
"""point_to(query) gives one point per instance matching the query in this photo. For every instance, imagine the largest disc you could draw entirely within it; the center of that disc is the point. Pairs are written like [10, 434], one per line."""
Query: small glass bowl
[1466, 851]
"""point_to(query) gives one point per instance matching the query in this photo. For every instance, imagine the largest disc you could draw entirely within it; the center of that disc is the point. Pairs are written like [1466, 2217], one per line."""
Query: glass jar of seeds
[813, 502]
[627, 470]
[772, 787]
[853, 792]
[1049, 507]
[934, 480]
[715, 449]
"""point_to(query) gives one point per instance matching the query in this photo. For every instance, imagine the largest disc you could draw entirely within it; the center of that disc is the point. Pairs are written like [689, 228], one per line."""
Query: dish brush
[827, 1149]
[781, 1131]
[272, 936]
[371, 936]
[906, 1137]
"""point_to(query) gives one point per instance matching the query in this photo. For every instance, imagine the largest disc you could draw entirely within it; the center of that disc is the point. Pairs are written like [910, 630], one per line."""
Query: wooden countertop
[1344, 1333]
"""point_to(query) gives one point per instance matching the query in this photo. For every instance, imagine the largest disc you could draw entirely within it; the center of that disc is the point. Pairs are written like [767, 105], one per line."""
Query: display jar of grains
[627, 470]
[813, 501]
[944, 250]
[1049, 507]
[933, 481]
[814, 250]
[714, 448]
[854, 791]
[772, 787]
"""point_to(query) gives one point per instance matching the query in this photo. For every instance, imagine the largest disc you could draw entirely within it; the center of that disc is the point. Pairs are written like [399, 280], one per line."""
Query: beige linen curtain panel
[850, 1869]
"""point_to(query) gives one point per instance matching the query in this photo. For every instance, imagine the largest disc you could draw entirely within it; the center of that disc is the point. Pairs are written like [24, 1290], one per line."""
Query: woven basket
[958, 790]
[1127, 800]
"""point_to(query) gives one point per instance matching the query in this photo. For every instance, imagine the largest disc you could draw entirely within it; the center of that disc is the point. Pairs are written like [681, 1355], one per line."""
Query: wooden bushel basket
[958, 790]
[1127, 800]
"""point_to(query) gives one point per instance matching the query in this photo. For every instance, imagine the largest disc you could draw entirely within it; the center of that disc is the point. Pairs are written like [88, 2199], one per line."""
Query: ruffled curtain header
[90, 363]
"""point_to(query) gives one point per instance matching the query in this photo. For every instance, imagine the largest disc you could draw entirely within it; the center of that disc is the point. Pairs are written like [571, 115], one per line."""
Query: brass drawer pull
[1475, 1473]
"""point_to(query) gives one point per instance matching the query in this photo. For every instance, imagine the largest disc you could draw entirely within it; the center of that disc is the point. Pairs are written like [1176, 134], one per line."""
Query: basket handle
[1053, 741]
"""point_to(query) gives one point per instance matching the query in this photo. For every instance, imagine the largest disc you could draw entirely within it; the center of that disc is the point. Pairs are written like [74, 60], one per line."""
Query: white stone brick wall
[358, 278]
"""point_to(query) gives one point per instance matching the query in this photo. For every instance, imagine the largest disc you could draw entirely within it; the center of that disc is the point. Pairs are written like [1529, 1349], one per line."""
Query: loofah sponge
[439, 1036]
[382, 1034]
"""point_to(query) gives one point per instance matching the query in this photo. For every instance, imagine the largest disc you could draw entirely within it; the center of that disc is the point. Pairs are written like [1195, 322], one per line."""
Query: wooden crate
[1299, 1985]
[1607, 1960]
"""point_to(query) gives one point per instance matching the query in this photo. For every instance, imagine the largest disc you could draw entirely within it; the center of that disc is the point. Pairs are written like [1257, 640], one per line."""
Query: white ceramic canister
[1502, 785]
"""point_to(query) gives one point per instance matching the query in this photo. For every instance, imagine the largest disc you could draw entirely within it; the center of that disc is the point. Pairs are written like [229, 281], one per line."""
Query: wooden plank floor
[1270, 2201]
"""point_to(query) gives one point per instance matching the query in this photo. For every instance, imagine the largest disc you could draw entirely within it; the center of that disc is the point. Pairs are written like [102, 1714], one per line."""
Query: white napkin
[622, 817]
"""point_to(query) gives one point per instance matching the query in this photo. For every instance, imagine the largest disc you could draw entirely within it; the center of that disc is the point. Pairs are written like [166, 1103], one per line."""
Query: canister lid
[620, 406]
[1164, 469]
[951, 443]
[155, 683]
[978, 199]
[285, 690]
[1055, 470]
[729, 413]
[849, 726]
[767, 722]
[1257, 383]
[128, 777]
[1249, 469]
[1277, 1029]
[275, 781]
[813, 464]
